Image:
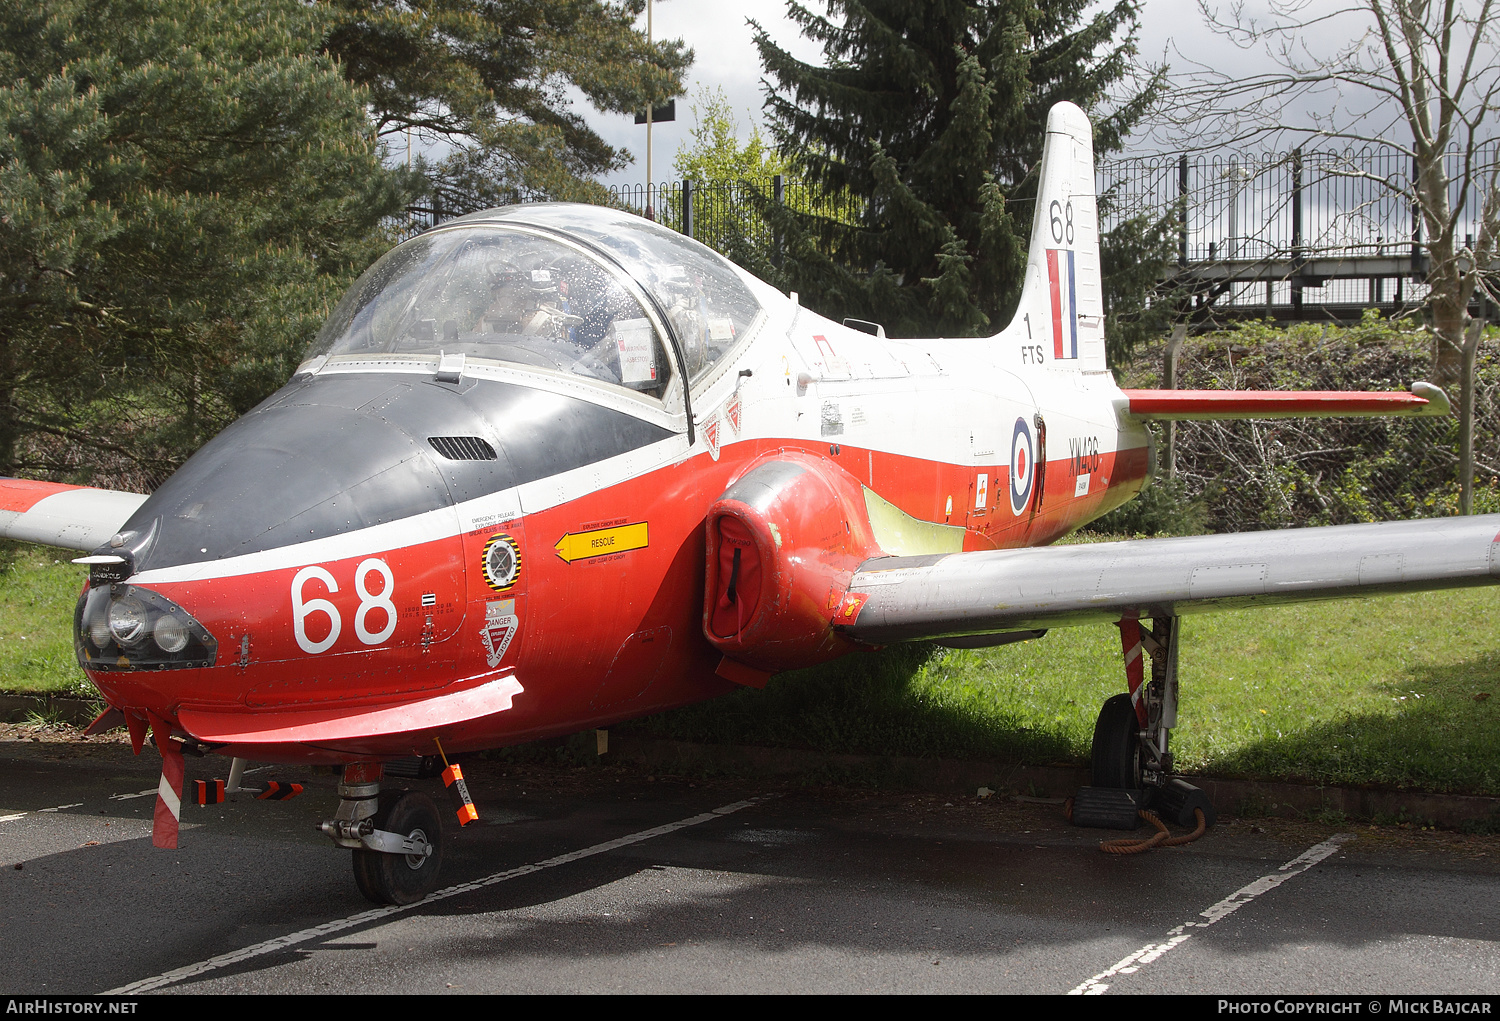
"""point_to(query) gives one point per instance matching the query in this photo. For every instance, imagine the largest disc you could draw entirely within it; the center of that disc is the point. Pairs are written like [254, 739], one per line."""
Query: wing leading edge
[73, 517]
[993, 591]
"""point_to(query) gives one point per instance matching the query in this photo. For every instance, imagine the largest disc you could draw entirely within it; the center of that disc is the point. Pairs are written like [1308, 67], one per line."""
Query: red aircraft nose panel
[358, 627]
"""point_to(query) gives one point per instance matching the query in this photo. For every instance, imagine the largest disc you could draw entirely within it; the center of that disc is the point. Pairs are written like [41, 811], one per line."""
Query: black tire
[1116, 758]
[402, 878]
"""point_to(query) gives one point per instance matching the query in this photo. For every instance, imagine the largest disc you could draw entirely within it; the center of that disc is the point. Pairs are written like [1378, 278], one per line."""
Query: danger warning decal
[500, 624]
[1061, 284]
[1022, 467]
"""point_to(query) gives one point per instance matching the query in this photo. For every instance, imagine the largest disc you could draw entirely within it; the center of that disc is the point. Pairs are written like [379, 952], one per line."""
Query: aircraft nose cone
[305, 466]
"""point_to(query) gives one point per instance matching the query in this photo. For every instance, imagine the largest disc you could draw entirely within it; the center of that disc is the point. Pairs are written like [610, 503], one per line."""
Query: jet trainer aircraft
[553, 466]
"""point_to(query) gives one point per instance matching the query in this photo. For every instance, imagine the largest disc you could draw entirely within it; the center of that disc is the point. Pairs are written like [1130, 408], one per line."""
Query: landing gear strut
[1131, 763]
[1130, 737]
[396, 836]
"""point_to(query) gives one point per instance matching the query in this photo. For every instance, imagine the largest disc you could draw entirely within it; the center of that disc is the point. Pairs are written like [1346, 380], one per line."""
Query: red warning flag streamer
[164, 823]
[453, 779]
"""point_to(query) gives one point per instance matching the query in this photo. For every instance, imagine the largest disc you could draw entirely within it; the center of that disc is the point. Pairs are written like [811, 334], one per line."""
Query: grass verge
[38, 589]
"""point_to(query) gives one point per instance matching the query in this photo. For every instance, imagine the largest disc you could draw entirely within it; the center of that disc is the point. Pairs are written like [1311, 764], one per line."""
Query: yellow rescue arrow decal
[601, 542]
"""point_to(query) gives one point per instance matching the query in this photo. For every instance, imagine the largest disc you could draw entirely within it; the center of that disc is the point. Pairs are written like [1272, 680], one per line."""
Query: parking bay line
[364, 917]
[1223, 909]
[39, 811]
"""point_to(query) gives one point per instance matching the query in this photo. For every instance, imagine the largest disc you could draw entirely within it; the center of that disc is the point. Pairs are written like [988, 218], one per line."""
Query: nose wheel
[406, 875]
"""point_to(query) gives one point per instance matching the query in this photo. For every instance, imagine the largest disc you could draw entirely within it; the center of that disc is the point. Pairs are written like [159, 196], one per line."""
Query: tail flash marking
[1062, 279]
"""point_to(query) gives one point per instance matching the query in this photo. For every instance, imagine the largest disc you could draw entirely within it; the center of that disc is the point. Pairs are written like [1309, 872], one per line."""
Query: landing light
[127, 621]
[126, 627]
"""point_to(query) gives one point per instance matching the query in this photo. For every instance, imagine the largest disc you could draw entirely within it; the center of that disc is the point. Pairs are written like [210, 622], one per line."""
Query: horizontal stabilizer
[72, 517]
[990, 591]
[1203, 405]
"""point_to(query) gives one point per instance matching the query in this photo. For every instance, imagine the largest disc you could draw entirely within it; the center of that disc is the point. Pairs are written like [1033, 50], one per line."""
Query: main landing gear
[396, 836]
[1131, 764]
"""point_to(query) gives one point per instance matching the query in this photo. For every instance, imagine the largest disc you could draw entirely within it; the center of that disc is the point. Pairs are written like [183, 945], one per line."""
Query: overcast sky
[717, 32]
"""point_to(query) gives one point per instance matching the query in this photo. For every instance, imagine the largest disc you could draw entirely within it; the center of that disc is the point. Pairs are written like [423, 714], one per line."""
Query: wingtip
[1437, 401]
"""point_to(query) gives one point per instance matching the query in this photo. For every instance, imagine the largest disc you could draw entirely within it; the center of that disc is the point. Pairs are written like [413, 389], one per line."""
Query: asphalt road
[604, 880]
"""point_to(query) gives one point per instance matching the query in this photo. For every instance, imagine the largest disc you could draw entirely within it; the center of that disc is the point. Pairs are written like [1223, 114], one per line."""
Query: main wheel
[1116, 756]
[402, 878]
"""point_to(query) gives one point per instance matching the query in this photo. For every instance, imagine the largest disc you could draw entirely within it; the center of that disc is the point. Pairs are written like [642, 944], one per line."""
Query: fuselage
[501, 482]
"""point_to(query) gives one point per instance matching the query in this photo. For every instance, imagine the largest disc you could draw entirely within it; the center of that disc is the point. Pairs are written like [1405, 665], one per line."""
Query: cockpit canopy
[569, 288]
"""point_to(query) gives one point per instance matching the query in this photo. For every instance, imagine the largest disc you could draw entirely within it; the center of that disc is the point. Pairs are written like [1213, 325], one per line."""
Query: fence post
[1169, 381]
[1299, 255]
[1416, 224]
[687, 207]
[1466, 418]
[778, 194]
[1234, 209]
[1182, 204]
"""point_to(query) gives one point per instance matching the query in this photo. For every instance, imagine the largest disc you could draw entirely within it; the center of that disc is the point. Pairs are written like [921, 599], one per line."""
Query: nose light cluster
[126, 627]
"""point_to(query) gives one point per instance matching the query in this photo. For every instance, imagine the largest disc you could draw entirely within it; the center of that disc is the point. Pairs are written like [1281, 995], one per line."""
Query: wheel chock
[1177, 799]
[1108, 808]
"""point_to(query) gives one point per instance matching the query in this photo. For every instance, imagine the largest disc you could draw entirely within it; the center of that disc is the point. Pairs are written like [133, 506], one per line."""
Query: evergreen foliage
[936, 112]
[185, 188]
[488, 79]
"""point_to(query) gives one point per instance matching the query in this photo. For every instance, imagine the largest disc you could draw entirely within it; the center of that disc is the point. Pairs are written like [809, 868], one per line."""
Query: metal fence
[1268, 216]
[1259, 205]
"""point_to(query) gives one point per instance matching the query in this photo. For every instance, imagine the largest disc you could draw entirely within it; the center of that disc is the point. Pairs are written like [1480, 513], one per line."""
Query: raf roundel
[502, 562]
[1022, 467]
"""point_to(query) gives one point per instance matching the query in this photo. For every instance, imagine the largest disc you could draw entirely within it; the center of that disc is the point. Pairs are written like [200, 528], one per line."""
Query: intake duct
[782, 543]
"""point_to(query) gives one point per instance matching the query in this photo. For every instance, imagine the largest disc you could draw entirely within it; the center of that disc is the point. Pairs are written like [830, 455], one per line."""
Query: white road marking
[39, 811]
[375, 914]
[137, 794]
[1223, 909]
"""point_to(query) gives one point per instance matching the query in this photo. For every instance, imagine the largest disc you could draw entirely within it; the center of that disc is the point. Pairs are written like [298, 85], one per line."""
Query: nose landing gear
[396, 836]
[409, 873]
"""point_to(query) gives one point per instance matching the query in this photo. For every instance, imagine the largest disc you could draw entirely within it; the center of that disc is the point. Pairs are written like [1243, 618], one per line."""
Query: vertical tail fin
[1059, 324]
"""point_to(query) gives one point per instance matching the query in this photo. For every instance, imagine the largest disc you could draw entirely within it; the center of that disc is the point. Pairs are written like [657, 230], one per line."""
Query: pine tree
[489, 81]
[935, 111]
[186, 186]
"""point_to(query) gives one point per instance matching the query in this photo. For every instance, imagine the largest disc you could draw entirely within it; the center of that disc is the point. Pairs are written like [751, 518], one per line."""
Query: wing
[73, 517]
[894, 599]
